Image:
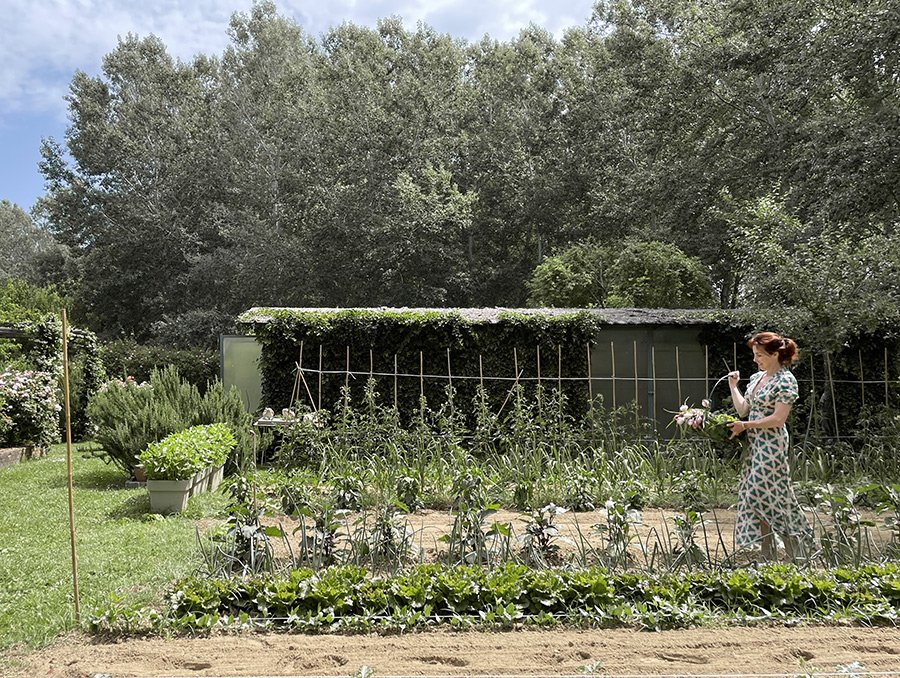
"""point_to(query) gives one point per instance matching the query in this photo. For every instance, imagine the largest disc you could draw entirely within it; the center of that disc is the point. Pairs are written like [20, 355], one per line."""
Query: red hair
[772, 343]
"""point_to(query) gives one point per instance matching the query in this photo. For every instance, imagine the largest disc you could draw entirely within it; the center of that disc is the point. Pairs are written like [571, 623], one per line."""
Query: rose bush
[30, 407]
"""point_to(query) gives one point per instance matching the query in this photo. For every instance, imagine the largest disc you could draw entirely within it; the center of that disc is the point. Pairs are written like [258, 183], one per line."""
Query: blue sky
[46, 41]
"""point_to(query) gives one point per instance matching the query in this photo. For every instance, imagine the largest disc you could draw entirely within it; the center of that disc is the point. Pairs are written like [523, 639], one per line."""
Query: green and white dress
[765, 491]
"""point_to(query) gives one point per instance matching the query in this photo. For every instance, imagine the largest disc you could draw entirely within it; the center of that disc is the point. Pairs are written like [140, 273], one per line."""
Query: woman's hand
[738, 427]
[733, 379]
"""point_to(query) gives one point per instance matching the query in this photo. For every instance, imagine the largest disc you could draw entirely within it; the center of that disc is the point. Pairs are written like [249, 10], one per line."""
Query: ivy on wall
[430, 343]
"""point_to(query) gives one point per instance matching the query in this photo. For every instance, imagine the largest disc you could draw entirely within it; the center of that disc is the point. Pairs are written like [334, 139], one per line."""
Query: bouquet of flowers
[701, 421]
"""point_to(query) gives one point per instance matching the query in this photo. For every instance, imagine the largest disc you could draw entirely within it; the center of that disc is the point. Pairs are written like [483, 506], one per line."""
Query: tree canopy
[393, 167]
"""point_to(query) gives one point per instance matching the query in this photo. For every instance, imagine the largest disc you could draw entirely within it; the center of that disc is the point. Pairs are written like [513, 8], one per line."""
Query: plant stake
[65, 349]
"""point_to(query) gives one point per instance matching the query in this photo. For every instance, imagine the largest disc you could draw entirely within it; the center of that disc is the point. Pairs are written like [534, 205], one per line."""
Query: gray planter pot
[169, 496]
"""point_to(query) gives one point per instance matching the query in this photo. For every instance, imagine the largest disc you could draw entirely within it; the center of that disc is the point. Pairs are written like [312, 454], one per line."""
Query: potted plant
[184, 464]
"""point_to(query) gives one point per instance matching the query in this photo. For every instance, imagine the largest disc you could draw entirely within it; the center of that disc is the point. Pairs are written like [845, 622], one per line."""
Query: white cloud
[47, 40]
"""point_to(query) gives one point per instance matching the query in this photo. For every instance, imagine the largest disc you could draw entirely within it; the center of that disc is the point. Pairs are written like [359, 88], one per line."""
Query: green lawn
[122, 549]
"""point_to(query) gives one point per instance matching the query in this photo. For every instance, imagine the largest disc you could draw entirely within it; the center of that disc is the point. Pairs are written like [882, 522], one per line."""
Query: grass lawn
[122, 549]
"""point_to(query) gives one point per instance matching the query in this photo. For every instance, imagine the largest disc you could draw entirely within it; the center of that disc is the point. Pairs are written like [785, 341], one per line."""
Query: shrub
[129, 415]
[30, 406]
[180, 455]
[124, 357]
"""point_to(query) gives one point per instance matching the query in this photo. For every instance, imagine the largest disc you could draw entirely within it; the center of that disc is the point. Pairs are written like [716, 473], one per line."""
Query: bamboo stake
[559, 381]
[481, 378]
[421, 375]
[371, 364]
[395, 381]
[559, 370]
[706, 371]
[303, 379]
[678, 373]
[590, 382]
[449, 371]
[837, 432]
[815, 400]
[295, 392]
[653, 361]
[862, 380]
[612, 358]
[347, 374]
[65, 349]
[320, 376]
[636, 392]
[886, 401]
[734, 346]
[450, 382]
[539, 378]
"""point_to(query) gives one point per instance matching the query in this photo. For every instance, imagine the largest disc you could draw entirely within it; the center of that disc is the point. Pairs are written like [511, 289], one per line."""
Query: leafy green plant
[539, 543]
[128, 415]
[181, 455]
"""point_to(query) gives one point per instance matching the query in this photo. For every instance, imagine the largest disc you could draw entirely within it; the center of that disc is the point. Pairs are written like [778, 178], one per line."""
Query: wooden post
[371, 364]
[734, 346]
[65, 350]
[396, 407]
[678, 374]
[539, 378]
[421, 375]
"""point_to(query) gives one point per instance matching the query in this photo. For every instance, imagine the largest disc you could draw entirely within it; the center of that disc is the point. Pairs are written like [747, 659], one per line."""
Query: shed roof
[260, 315]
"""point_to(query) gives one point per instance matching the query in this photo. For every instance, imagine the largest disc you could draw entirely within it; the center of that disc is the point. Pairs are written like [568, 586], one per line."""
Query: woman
[766, 501]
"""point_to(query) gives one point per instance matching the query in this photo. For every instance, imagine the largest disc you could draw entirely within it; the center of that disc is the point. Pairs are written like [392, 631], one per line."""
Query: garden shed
[656, 357]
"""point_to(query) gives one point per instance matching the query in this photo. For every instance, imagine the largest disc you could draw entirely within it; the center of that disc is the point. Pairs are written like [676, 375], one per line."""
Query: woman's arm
[740, 403]
[774, 420]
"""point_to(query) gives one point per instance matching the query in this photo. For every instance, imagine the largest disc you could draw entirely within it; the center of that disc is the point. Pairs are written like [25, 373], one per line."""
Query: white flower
[706, 403]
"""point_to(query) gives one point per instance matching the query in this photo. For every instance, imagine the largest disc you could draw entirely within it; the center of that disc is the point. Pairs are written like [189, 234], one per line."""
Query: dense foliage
[414, 343]
[348, 598]
[29, 408]
[182, 454]
[124, 358]
[128, 416]
[392, 167]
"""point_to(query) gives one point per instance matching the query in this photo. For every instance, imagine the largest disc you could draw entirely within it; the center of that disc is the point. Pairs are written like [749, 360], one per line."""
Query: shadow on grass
[135, 507]
[98, 479]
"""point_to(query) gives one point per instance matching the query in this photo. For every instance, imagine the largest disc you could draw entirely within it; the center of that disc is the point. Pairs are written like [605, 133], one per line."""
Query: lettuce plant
[181, 455]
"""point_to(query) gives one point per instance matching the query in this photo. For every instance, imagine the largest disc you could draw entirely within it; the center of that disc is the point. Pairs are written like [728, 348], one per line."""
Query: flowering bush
[702, 422]
[30, 407]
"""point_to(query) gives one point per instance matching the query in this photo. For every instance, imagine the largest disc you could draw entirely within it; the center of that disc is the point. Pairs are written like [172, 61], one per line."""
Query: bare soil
[729, 651]
[691, 652]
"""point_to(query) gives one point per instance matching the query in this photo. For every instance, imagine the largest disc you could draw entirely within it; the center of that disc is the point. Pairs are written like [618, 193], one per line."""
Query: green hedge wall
[374, 338]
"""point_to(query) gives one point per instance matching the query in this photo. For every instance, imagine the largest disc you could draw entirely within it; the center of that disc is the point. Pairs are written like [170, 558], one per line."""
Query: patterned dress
[765, 490]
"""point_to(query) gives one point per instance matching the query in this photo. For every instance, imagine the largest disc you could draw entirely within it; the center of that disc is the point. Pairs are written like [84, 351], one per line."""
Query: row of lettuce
[351, 598]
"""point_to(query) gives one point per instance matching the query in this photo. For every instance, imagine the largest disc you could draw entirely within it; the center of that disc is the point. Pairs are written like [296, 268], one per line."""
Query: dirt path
[731, 651]
[694, 652]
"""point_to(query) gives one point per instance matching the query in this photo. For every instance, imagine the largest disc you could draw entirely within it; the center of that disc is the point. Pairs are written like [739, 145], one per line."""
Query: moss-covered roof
[261, 315]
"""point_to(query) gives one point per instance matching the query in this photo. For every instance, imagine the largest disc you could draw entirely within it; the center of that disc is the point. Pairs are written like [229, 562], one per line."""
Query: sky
[46, 41]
